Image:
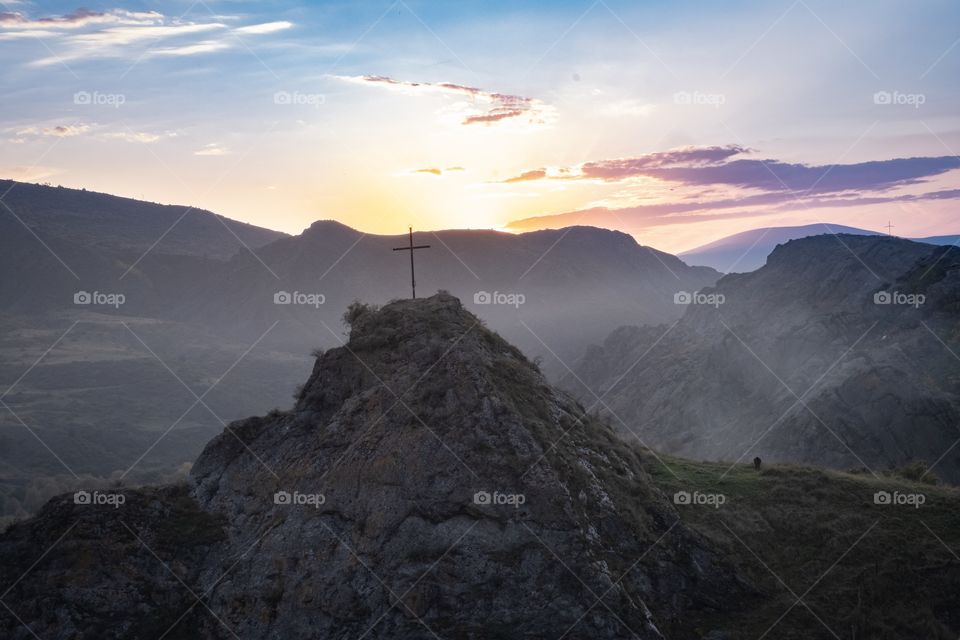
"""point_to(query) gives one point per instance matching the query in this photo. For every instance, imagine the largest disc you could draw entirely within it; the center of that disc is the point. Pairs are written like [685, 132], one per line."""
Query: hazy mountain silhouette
[117, 225]
[841, 352]
[105, 387]
[550, 292]
[748, 250]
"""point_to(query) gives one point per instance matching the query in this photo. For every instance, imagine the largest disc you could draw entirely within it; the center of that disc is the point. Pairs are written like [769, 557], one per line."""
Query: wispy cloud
[93, 130]
[711, 166]
[713, 184]
[264, 28]
[437, 171]
[119, 33]
[79, 19]
[622, 168]
[485, 107]
[212, 149]
[57, 131]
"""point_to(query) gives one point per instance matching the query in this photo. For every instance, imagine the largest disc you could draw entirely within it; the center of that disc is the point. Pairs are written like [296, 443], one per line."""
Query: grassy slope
[872, 571]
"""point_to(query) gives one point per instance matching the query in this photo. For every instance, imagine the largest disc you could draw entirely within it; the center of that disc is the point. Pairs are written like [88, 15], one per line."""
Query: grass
[865, 570]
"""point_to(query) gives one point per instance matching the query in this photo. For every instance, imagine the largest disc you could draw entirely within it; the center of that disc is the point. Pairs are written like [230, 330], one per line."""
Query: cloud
[138, 137]
[484, 108]
[93, 130]
[78, 19]
[212, 149]
[436, 171]
[207, 46]
[714, 183]
[773, 175]
[266, 27]
[119, 33]
[622, 168]
[646, 216]
[57, 131]
[526, 176]
[718, 166]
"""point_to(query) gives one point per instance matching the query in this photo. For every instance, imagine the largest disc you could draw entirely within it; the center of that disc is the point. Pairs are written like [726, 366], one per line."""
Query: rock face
[842, 351]
[427, 483]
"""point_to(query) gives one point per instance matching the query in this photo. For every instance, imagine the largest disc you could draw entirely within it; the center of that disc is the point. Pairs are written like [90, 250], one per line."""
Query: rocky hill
[841, 351]
[422, 482]
[429, 483]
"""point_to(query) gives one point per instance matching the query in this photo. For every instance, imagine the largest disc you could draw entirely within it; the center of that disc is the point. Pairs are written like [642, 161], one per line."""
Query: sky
[676, 121]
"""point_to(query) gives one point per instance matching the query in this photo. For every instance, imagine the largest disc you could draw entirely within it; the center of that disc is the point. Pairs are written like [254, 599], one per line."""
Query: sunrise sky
[679, 122]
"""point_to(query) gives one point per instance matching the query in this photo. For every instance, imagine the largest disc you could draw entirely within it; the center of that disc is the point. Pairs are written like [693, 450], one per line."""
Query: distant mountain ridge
[114, 224]
[201, 313]
[748, 250]
[840, 351]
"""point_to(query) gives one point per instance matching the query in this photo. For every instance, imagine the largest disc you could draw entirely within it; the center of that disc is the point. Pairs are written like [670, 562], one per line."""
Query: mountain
[841, 351]
[550, 292]
[362, 510]
[748, 251]
[941, 240]
[95, 392]
[107, 223]
[430, 483]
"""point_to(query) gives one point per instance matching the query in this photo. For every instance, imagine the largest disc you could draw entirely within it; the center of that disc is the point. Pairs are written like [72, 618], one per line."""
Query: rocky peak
[427, 480]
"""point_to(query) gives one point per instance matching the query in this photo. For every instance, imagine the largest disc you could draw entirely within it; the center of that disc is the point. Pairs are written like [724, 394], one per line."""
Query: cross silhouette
[889, 227]
[411, 248]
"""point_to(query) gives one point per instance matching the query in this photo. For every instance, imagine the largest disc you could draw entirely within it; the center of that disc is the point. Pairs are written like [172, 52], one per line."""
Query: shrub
[918, 470]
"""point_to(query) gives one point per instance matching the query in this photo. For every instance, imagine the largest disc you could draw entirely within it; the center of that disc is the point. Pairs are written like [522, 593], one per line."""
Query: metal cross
[411, 248]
